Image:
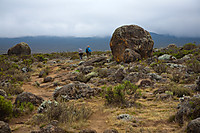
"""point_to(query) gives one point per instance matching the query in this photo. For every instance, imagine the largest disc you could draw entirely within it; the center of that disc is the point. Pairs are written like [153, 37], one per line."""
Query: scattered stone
[163, 96]
[120, 74]
[28, 97]
[166, 57]
[132, 37]
[96, 61]
[20, 49]
[3, 93]
[126, 117]
[25, 70]
[81, 63]
[134, 77]
[88, 131]
[45, 104]
[194, 126]
[110, 131]
[4, 127]
[197, 88]
[172, 65]
[85, 69]
[52, 127]
[42, 73]
[155, 76]
[48, 79]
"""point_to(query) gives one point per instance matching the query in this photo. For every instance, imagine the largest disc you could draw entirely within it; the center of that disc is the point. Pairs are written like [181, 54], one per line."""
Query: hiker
[88, 51]
[80, 51]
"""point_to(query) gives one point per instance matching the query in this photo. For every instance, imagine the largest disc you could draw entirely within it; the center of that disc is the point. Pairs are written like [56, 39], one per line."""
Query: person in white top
[80, 53]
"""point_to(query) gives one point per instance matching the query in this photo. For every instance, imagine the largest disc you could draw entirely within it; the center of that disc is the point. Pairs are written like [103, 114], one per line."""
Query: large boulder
[20, 49]
[132, 37]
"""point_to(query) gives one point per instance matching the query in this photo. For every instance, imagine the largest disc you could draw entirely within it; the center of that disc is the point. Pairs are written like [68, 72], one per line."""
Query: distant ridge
[48, 44]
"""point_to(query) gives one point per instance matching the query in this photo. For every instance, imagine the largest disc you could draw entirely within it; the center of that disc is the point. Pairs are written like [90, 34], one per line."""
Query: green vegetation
[159, 67]
[117, 96]
[6, 109]
[178, 91]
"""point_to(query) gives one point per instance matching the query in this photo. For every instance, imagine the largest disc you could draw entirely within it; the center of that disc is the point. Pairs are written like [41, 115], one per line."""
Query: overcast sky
[85, 18]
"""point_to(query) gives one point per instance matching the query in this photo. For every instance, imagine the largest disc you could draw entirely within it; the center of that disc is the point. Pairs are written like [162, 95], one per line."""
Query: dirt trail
[99, 121]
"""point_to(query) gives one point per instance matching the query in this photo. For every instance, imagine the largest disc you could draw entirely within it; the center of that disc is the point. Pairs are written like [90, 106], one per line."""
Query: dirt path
[99, 121]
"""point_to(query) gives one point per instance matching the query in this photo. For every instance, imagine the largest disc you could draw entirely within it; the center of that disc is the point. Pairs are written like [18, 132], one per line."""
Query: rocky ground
[162, 95]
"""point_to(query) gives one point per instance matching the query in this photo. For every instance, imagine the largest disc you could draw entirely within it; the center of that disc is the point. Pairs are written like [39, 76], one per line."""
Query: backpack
[87, 50]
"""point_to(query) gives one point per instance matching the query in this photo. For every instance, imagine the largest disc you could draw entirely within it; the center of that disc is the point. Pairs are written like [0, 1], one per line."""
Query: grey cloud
[97, 17]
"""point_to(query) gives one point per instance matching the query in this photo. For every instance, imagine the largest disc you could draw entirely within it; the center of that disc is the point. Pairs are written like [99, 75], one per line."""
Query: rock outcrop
[75, 90]
[20, 49]
[132, 37]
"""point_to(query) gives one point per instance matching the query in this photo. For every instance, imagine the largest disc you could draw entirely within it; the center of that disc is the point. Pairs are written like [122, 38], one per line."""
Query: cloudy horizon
[87, 18]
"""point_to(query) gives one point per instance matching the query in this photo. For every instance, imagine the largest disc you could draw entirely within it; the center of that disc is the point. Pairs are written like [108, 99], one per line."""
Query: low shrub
[116, 96]
[66, 112]
[159, 67]
[193, 65]
[189, 46]
[23, 108]
[12, 89]
[195, 111]
[176, 76]
[6, 109]
[179, 91]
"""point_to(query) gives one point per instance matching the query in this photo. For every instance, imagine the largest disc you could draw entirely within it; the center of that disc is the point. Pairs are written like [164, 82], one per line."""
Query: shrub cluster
[6, 109]
[116, 96]
[65, 112]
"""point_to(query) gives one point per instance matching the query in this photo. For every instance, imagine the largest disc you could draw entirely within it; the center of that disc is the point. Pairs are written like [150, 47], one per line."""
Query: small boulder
[3, 93]
[120, 74]
[75, 90]
[20, 49]
[96, 61]
[194, 126]
[166, 57]
[4, 127]
[197, 88]
[110, 131]
[52, 127]
[163, 96]
[48, 79]
[126, 117]
[144, 83]
[28, 97]
[88, 131]
[43, 73]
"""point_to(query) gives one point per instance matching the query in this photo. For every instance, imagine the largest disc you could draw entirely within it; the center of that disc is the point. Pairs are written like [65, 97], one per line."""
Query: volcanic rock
[20, 49]
[132, 37]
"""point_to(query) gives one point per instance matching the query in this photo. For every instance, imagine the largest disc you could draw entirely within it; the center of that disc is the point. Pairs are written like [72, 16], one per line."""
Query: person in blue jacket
[88, 51]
